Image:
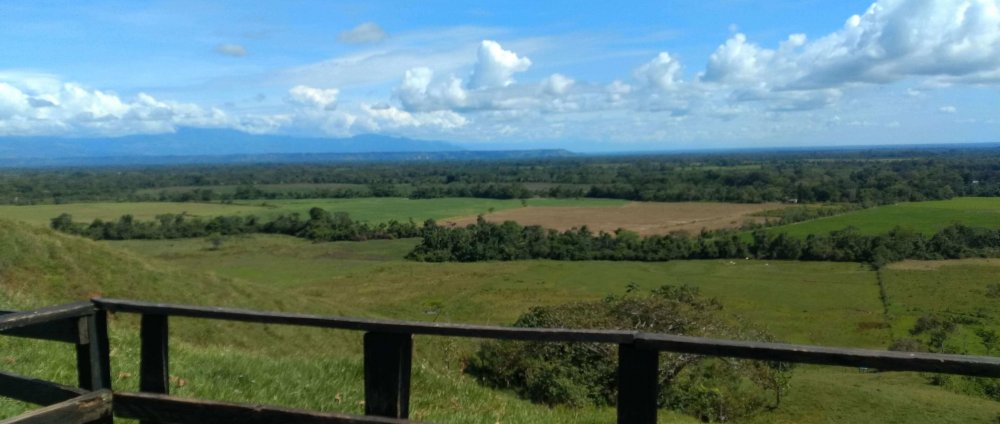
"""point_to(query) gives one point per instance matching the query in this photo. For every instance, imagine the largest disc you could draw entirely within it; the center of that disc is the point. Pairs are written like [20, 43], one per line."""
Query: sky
[581, 75]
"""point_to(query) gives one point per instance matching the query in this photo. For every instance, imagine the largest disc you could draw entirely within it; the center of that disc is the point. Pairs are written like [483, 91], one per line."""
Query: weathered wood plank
[33, 390]
[88, 408]
[981, 366]
[638, 383]
[154, 362]
[93, 361]
[58, 331]
[388, 360]
[44, 315]
[374, 325]
[173, 410]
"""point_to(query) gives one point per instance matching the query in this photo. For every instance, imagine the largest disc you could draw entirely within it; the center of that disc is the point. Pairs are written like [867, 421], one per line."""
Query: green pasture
[820, 303]
[955, 289]
[925, 217]
[363, 209]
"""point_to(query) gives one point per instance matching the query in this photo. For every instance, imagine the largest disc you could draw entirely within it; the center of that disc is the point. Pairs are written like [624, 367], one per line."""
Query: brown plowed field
[642, 217]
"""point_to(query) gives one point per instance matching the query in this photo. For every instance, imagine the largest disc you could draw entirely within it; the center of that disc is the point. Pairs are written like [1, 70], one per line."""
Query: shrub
[712, 389]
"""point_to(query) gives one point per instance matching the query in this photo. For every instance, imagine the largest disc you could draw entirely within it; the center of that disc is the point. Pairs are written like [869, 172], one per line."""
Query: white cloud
[419, 91]
[12, 100]
[663, 72]
[948, 109]
[233, 50]
[737, 61]
[557, 84]
[390, 117]
[495, 66]
[368, 32]
[894, 39]
[319, 98]
[29, 108]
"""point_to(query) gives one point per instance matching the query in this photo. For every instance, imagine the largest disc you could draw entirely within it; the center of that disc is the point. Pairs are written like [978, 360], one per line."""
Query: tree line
[508, 241]
[868, 177]
[321, 225]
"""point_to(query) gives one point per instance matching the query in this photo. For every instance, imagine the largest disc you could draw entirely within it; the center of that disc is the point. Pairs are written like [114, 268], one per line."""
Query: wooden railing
[388, 348]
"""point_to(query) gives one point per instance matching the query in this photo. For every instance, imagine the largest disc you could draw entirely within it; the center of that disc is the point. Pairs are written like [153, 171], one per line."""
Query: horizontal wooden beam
[981, 366]
[166, 409]
[33, 390]
[884, 360]
[45, 315]
[374, 325]
[88, 408]
[63, 330]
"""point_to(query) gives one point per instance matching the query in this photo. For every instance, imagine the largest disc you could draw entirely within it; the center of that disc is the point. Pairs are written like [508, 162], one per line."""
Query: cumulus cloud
[663, 72]
[419, 91]
[28, 108]
[368, 32]
[948, 109]
[232, 50]
[319, 98]
[557, 85]
[956, 40]
[495, 66]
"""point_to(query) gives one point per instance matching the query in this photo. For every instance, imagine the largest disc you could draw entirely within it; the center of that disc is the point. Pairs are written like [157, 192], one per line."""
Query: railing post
[154, 365]
[638, 375]
[93, 362]
[387, 374]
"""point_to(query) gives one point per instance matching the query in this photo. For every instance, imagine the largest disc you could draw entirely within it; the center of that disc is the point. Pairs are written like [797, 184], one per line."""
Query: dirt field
[641, 217]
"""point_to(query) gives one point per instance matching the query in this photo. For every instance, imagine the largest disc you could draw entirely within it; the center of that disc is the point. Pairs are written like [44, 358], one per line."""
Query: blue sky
[580, 75]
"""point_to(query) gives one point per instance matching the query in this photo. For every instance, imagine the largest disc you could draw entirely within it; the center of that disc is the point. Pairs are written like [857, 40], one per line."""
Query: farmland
[364, 209]
[924, 217]
[644, 218]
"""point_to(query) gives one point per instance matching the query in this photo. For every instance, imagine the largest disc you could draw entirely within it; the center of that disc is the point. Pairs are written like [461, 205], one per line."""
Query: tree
[712, 389]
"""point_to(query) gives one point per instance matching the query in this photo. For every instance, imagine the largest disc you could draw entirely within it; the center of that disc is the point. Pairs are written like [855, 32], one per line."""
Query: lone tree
[711, 389]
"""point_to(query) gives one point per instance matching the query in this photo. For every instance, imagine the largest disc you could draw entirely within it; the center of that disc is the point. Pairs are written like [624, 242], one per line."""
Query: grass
[364, 209]
[925, 217]
[821, 303]
[955, 289]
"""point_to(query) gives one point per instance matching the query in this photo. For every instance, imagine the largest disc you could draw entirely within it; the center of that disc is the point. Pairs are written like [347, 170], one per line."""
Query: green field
[803, 302]
[364, 209]
[954, 288]
[267, 188]
[924, 217]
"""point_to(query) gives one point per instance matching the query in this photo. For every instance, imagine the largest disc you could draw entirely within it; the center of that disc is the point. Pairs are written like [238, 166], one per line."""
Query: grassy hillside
[835, 304]
[924, 217]
[364, 209]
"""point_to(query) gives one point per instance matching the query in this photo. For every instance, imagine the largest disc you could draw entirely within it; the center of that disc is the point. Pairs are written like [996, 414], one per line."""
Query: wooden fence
[388, 347]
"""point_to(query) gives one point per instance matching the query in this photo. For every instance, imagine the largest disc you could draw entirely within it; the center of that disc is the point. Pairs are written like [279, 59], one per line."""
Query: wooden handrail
[887, 360]
[387, 360]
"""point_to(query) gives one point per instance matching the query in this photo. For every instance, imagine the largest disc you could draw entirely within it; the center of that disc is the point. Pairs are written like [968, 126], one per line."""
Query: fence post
[93, 362]
[387, 374]
[638, 375]
[154, 361]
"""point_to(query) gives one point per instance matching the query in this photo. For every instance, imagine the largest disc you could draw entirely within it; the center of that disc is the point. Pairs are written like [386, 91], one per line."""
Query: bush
[712, 389]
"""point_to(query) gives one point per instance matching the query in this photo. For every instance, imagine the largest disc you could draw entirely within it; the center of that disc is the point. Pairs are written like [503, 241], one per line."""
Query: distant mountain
[198, 146]
[205, 142]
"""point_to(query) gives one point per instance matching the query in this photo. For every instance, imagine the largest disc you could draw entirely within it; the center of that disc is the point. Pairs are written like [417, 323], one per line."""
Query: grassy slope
[925, 217]
[833, 304]
[40, 267]
[227, 360]
[365, 209]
